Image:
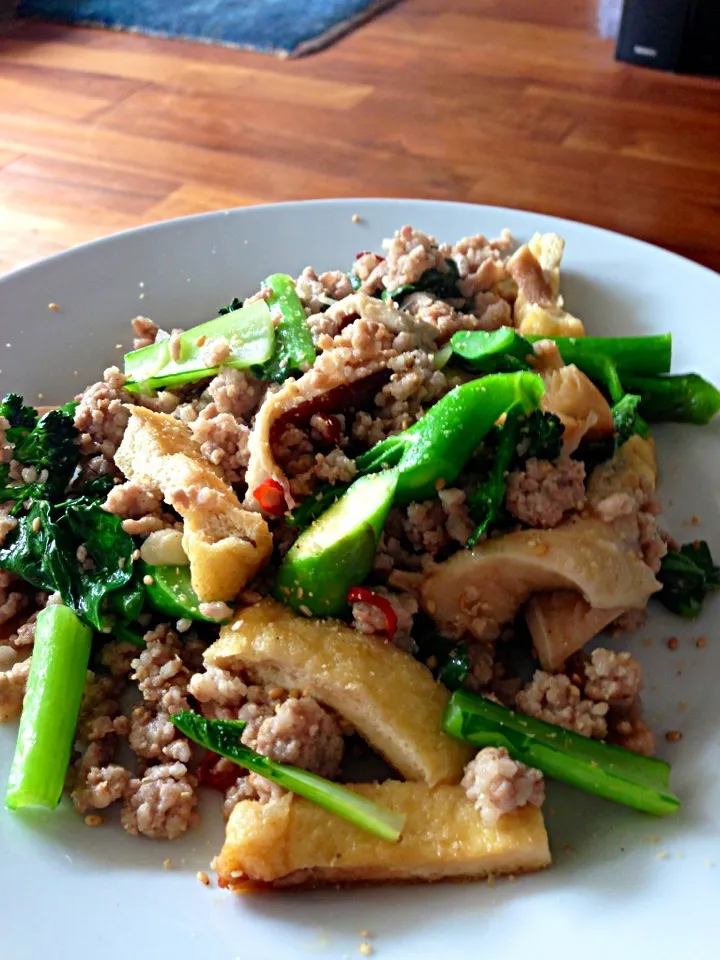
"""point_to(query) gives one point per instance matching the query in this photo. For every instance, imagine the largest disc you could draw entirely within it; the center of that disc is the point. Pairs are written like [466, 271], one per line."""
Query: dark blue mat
[282, 27]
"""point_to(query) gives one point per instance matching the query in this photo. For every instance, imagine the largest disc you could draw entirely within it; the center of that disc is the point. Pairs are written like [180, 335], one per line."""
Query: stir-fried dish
[343, 553]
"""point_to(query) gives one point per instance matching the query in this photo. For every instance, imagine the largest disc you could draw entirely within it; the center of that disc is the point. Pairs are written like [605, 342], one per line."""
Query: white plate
[622, 884]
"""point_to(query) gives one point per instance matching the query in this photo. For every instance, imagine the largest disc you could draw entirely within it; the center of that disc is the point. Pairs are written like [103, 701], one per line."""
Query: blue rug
[287, 28]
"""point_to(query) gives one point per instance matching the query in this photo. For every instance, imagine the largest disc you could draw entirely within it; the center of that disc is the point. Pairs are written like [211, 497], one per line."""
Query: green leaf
[223, 738]
[687, 576]
[294, 348]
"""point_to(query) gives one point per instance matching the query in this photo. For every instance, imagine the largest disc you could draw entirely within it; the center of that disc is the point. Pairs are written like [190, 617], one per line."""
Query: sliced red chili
[271, 497]
[363, 595]
[210, 776]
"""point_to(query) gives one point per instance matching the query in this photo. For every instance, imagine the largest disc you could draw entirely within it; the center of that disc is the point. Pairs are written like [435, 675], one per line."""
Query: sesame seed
[203, 878]
[148, 580]
[662, 855]
[200, 340]
[304, 610]
[8, 344]
[183, 625]
[53, 306]
[36, 524]
[276, 693]
[41, 396]
[365, 934]
[356, 218]
[167, 864]
[673, 736]
[440, 484]
[118, 346]
[237, 625]
[695, 521]
[431, 662]
[673, 643]
[542, 549]
[365, 949]
[701, 642]
[93, 820]
[135, 555]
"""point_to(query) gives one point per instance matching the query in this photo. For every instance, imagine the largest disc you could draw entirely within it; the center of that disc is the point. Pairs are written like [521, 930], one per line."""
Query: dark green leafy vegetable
[436, 448]
[540, 435]
[626, 419]
[595, 767]
[687, 576]
[234, 304]
[453, 672]
[47, 443]
[486, 500]
[50, 710]
[443, 284]
[47, 556]
[294, 348]
[223, 738]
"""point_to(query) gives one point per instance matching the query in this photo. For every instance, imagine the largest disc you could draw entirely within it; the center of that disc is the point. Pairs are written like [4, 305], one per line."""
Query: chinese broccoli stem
[51, 709]
[223, 738]
[685, 398]
[294, 348]
[595, 767]
[432, 453]
[486, 500]
[645, 356]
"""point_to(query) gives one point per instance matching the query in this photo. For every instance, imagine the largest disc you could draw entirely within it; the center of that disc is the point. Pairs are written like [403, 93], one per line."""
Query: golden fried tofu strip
[390, 698]
[226, 545]
[538, 308]
[290, 842]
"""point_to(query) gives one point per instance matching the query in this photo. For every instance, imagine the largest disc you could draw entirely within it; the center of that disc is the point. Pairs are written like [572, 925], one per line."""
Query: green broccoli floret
[540, 436]
[234, 304]
[48, 444]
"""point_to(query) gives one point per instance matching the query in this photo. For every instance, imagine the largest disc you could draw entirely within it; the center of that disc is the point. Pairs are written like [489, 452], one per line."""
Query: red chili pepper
[217, 779]
[271, 497]
[369, 253]
[363, 595]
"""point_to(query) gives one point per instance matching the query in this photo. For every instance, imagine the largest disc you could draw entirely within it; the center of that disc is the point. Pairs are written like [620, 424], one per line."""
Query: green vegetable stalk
[294, 348]
[223, 738]
[51, 709]
[686, 398]
[645, 356]
[249, 332]
[435, 449]
[595, 767]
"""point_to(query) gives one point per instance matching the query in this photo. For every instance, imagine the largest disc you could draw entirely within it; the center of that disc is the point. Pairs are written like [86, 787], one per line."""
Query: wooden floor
[511, 102]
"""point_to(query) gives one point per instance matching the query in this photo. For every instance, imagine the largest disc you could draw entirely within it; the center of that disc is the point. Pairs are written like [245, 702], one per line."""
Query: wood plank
[508, 102]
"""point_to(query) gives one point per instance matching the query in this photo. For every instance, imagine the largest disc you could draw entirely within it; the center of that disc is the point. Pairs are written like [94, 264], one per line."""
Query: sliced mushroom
[562, 622]
[225, 544]
[479, 590]
[336, 368]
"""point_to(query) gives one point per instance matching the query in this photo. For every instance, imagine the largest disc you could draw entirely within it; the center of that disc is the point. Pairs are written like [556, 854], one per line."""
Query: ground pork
[160, 671]
[628, 622]
[481, 263]
[635, 517]
[414, 384]
[12, 690]
[251, 787]
[100, 702]
[433, 524]
[141, 510]
[145, 332]
[117, 657]
[613, 677]
[19, 643]
[162, 804]
[102, 414]
[369, 269]
[218, 686]
[98, 782]
[633, 734]
[369, 619]
[409, 254]
[543, 493]
[556, 699]
[11, 601]
[497, 784]
[489, 313]
[223, 440]
[301, 733]
[6, 448]
[150, 731]
[316, 292]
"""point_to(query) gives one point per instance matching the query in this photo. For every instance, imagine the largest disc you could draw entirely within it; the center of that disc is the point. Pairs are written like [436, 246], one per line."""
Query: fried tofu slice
[290, 842]
[538, 309]
[226, 545]
[391, 699]
[561, 622]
